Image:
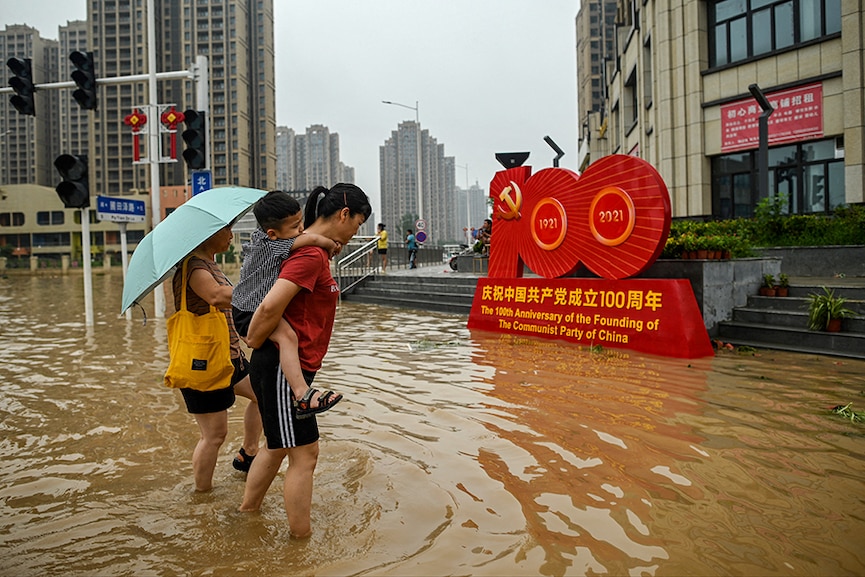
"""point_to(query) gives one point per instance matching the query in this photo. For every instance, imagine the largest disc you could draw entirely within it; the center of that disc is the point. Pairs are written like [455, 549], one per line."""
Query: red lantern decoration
[171, 118]
[137, 121]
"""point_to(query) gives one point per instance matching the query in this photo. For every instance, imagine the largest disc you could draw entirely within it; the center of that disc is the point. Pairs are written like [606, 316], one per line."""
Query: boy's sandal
[242, 461]
[327, 400]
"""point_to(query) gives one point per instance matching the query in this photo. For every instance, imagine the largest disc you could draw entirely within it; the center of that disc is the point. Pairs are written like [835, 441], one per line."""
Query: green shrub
[770, 227]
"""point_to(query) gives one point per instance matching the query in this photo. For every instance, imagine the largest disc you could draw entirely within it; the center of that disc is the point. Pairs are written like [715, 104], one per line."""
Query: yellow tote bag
[199, 348]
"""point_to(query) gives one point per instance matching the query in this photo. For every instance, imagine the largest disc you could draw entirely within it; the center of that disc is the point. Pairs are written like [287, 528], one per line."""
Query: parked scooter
[465, 250]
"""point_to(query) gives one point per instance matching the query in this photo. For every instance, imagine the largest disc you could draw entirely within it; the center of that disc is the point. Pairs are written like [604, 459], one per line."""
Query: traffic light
[195, 137]
[85, 77]
[22, 84]
[74, 190]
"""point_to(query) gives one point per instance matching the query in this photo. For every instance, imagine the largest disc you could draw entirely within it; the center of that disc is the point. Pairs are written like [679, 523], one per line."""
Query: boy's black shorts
[241, 320]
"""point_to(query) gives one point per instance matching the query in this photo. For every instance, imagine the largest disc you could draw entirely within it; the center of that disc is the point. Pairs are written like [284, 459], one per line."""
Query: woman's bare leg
[297, 488]
[213, 428]
[261, 474]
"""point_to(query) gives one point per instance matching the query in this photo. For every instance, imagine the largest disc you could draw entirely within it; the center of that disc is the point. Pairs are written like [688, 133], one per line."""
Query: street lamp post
[418, 153]
[763, 160]
[468, 203]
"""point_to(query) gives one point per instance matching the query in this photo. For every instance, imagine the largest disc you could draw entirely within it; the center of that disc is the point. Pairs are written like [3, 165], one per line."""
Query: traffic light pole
[155, 203]
[200, 76]
[85, 256]
[177, 75]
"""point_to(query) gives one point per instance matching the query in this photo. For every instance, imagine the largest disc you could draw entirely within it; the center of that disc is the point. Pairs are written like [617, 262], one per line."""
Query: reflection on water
[454, 453]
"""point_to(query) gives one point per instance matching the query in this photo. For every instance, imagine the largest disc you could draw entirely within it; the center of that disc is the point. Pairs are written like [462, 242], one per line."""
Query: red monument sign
[613, 219]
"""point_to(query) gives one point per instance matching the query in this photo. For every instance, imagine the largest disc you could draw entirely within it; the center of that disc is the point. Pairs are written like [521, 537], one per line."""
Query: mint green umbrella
[179, 234]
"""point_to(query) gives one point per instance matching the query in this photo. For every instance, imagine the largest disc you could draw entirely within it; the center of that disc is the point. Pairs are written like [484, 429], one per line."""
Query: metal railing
[360, 260]
[354, 264]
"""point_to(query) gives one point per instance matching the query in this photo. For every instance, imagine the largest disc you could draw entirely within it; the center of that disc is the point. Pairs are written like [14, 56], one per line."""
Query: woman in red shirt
[306, 295]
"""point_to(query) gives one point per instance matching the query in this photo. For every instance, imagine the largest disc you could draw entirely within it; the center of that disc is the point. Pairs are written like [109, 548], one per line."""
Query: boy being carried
[280, 222]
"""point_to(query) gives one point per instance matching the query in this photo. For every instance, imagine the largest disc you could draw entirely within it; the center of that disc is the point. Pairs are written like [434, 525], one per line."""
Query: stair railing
[356, 266]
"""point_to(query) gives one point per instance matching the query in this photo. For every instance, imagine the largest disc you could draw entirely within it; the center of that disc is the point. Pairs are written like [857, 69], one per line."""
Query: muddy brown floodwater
[454, 453]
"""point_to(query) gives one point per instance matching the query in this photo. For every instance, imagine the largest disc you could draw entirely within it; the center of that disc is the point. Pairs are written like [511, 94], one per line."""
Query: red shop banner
[798, 115]
[656, 316]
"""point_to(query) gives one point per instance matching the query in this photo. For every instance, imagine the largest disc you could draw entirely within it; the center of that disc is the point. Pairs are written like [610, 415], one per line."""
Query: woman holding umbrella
[206, 286]
[306, 295]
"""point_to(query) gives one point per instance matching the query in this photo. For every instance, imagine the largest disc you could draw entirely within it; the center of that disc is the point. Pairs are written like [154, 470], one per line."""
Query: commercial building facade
[679, 96]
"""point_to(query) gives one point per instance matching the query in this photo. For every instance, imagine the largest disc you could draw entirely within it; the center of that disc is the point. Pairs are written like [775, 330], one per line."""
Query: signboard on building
[119, 209]
[798, 116]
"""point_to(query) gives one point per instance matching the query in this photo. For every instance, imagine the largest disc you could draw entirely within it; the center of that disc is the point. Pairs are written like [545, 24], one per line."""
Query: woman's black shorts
[200, 402]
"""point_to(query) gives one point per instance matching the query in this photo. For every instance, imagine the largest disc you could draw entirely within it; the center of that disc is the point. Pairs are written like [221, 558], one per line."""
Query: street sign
[420, 224]
[119, 209]
[201, 180]
[420, 236]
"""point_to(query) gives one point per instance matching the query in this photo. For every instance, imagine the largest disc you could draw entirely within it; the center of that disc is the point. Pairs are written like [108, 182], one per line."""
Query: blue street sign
[119, 209]
[201, 180]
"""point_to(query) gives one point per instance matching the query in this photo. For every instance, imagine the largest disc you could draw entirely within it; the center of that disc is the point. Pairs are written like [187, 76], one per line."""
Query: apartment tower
[398, 173]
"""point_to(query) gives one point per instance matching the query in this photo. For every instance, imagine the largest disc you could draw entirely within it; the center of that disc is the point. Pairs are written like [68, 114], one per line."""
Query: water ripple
[453, 453]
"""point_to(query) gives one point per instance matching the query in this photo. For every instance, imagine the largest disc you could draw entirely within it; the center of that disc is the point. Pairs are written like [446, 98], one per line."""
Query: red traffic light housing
[22, 83]
[195, 137]
[85, 77]
[74, 189]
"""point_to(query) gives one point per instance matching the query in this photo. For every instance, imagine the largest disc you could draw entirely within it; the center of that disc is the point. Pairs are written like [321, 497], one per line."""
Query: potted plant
[673, 247]
[701, 245]
[727, 248]
[689, 245]
[783, 288]
[720, 245]
[825, 311]
[768, 287]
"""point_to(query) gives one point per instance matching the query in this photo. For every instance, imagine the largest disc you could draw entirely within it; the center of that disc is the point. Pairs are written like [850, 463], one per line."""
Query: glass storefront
[808, 174]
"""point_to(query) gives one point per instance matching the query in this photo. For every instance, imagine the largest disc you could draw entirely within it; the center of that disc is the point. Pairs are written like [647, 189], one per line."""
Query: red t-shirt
[311, 312]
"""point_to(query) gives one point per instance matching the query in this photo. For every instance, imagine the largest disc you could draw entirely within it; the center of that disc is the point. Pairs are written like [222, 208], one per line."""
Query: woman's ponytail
[323, 202]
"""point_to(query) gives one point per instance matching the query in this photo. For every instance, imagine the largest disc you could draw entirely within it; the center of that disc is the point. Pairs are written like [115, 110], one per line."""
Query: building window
[48, 218]
[51, 239]
[647, 73]
[808, 174]
[92, 218]
[12, 219]
[742, 29]
[632, 107]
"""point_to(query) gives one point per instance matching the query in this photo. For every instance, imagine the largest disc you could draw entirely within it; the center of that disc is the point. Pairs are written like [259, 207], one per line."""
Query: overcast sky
[488, 75]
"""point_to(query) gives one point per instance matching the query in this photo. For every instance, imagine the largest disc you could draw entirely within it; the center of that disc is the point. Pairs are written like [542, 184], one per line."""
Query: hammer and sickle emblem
[514, 204]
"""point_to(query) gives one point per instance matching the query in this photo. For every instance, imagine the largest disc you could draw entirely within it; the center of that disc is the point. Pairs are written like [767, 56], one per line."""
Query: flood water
[454, 453]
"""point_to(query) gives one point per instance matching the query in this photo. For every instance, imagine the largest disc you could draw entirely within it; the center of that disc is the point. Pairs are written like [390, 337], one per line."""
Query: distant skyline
[487, 75]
